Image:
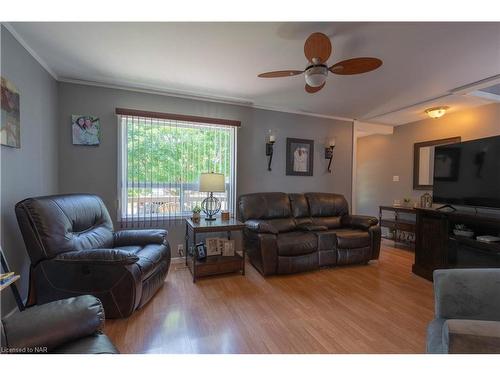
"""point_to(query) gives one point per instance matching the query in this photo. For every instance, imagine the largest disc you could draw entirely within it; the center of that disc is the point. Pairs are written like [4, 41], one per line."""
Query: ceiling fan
[317, 49]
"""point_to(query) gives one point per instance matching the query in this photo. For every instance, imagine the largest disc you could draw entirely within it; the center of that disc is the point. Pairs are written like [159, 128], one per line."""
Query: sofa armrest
[260, 226]
[98, 256]
[269, 253]
[359, 221]
[467, 294]
[462, 336]
[139, 237]
[52, 324]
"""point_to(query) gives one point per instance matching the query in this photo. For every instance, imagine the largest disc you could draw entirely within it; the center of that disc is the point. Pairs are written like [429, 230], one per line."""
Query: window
[161, 160]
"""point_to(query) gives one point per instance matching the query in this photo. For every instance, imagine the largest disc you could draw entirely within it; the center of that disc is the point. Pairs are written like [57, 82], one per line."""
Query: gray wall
[379, 157]
[94, 169]
[32, 169]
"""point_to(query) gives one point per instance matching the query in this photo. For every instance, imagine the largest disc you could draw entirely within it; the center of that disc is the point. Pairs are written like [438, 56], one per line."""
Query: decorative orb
[210, 206]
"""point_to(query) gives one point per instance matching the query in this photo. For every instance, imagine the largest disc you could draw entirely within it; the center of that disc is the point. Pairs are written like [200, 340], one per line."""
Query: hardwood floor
[378, 308]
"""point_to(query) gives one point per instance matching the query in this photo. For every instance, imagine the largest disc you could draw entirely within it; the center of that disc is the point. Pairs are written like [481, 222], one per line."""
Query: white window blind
[161, 160]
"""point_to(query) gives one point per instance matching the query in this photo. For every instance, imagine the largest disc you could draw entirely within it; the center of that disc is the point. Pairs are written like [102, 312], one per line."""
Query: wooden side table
[398, 224]
[216, 264]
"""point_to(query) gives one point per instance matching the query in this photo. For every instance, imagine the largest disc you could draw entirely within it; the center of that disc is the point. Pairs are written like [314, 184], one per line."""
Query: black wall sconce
[329, 153]
[270, 149]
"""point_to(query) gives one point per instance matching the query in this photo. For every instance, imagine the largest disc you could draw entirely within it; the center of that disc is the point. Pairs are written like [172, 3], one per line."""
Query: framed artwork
[299, 157]
[86, 130]
[10, 120]
[447, 164]
[228, 248]
[213, 246]
[201, 252]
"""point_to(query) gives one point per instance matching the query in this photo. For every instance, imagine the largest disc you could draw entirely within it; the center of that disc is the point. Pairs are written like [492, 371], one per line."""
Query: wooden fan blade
[357, 65]
[317, 46]
[280, 73]
[312, 90]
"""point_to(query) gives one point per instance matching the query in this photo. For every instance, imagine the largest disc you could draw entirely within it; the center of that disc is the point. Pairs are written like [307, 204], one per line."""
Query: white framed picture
[228, 248]
[213, 246]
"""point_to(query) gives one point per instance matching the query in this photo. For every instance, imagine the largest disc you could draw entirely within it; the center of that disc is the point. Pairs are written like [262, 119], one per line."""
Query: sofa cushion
[330, 222]
[299, 205]
[296, 243]
[282, 225]
[264, 206]
[327, 204]
[352, 238]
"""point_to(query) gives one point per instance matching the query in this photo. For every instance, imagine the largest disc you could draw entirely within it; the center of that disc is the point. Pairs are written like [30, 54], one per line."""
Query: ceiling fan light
[316, 75]
[436, 112]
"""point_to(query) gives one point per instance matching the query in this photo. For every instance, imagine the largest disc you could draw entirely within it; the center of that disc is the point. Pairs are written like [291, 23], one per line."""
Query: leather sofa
[467, 312]
[287, 233]
[69, 326]
[74, 251]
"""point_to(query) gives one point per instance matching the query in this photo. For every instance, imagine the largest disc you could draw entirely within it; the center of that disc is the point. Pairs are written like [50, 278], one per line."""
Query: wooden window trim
[173, 116]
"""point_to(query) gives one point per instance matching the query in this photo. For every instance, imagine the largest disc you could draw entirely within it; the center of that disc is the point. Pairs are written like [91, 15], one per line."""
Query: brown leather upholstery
[326, 204]
[74, 251]
[297, 243]
[264, 206]
[348, 238]
[302, 232]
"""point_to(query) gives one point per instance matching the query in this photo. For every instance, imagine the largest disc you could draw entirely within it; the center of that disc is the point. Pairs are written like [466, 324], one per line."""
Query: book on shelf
[6, 277]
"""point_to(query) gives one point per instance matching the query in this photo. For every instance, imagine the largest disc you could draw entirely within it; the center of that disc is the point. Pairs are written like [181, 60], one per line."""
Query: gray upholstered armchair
[467, 312]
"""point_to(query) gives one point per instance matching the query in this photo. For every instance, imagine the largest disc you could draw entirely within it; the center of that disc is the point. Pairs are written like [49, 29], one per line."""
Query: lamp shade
[212, 183]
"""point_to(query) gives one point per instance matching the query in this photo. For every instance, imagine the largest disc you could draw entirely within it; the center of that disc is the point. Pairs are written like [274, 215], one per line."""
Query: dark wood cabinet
[436, 246]
[430, 244]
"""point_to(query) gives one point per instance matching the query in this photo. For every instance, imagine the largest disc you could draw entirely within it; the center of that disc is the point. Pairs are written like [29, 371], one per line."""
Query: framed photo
[201, 252]
[213, 246]
[10, 116]
[86, 130]
[228, 248]
[447, 164]
[299, 157]
[220, 245]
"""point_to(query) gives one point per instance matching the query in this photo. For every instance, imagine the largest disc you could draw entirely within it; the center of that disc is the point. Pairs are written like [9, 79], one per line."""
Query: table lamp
[211, 183]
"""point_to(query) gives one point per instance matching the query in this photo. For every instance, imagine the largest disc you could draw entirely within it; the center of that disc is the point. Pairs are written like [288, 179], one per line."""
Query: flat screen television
[468, 173]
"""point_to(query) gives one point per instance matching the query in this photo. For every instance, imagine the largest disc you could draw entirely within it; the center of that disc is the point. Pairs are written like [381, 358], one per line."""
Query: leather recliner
[74, 251]
[69, 326]
[287, 233]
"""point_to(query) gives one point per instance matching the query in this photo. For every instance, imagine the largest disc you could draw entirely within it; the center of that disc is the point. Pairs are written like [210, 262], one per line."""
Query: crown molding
[30, 50]
[199, 97]
[471, 87]
[147, 89]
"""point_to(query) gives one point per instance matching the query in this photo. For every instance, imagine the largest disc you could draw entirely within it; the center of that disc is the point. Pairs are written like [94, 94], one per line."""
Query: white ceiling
[422, 61]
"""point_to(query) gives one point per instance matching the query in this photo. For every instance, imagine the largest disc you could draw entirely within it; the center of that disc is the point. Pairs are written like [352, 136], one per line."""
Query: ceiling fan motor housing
[316, 75]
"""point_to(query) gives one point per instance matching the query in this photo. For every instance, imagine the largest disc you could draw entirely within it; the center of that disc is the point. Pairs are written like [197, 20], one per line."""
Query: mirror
[423, 162]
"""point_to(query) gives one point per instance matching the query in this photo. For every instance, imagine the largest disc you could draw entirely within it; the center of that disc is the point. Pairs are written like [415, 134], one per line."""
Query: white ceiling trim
[490, 81]
[30, 50]
[161, 91]
[406, 107]
[469, 89]
[200, 97]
